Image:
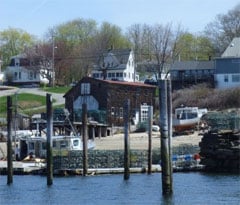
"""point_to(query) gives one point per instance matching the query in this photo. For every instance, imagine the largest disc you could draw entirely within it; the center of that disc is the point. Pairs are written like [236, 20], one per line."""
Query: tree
[79, 43]
[110, 36]
[139, 36]
[193, 47]
[13, 42]
[225, 27]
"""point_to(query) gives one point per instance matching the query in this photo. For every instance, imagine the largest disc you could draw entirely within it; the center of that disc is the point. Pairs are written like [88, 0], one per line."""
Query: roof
[117, 57]
[233, 50]
[193, 65]
[129, 83]
[111, 82]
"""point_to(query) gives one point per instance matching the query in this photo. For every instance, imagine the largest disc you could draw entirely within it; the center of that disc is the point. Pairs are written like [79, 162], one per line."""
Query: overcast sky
[37, 16]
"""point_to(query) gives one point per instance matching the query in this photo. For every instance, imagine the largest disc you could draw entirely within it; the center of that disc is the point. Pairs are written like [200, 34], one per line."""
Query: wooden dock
[22, 168]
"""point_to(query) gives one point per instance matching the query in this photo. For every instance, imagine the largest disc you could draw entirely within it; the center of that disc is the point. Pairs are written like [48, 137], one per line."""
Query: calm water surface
[189, 188]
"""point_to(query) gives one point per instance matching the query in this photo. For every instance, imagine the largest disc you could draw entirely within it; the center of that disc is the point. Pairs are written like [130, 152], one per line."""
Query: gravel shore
[140, 141]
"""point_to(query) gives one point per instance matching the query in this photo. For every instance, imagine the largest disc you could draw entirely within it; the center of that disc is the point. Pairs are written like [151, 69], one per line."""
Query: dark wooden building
[105, 100]
[188, 73]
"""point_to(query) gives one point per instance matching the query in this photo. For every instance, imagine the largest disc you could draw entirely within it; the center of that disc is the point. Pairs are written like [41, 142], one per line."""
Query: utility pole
[53, 59]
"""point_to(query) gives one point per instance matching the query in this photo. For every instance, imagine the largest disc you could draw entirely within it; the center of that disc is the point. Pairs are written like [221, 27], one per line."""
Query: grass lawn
[62, 89]
[27, 104]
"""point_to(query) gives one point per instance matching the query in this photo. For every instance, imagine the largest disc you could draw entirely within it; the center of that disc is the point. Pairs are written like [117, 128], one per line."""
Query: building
[116, 64]
[188, 73]
[21, 72]
[105, 100]
[1, 74]
[227, 68]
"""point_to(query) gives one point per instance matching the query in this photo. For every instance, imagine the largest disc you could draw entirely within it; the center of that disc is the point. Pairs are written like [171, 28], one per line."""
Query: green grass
[62, 89]
[27, 104]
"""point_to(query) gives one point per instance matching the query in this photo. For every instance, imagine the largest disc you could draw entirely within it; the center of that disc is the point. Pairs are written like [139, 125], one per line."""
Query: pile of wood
[220, 146]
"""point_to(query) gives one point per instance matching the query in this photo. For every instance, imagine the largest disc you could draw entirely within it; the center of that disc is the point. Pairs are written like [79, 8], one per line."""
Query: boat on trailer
[187, 118]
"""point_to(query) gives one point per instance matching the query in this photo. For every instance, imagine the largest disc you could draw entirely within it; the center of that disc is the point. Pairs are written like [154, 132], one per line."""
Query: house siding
[227, 73]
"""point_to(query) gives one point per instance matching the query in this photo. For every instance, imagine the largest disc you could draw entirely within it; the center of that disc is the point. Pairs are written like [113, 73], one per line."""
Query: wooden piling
[166, 170]
[169, 103]
[126, 140]
[84, 138]
[49, 139]
[150, 120]
[9, 141]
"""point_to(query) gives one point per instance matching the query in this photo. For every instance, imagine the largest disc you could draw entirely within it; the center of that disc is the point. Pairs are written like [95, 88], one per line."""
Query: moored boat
[36, 145]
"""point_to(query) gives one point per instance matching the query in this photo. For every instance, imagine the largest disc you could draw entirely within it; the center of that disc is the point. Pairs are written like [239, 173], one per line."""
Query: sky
[37, 16]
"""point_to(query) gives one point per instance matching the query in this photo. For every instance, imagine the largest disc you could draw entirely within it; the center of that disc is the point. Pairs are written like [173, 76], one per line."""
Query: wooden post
[150, 119]
[126, 140]
[169, 102]
[84, 139]
[166, 176]
[49, 139]
[9, 141]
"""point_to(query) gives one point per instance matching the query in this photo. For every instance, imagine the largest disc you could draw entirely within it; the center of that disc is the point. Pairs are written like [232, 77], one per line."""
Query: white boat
[186, 118]
[36, 145]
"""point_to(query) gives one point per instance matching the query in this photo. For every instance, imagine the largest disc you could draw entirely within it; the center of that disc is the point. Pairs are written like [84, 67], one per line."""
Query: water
[189, 188]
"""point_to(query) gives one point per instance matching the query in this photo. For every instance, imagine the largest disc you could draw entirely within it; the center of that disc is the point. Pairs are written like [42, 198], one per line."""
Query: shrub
[204, 97]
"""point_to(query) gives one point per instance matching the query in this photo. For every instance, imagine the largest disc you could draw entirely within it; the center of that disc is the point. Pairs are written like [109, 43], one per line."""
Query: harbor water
[189, 188]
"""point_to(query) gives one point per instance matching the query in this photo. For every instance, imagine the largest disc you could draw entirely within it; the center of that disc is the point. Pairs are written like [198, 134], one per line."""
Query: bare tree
[224, 29]
[40, 59]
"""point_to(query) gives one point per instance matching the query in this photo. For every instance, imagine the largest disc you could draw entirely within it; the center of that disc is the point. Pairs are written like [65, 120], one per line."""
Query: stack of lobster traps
[220, 146]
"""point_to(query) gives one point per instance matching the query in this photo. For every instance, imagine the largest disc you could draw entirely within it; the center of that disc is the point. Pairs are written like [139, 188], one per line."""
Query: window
[30, 75]
[225, 78]
[120, 112]
[235, 78]
[31, 145]
[75, 143]
[112, 110]
[20, 75]
[85, 88]
[44, 145]
[63, 144]
[15, 75]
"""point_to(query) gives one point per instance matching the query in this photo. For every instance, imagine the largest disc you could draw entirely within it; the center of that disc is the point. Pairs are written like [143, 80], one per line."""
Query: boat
[37, 145]
[186, 118]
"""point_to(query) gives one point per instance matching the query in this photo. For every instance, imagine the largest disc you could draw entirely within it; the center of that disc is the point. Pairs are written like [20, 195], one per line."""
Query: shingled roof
[192, 65]
[119, 56]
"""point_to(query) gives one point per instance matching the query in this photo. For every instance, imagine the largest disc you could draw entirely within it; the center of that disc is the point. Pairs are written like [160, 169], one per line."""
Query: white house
[227, 68]
[117, 64]
[21, 72]
[1, 74]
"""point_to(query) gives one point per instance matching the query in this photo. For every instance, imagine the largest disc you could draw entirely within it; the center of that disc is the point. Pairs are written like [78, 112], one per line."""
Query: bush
[204, 97]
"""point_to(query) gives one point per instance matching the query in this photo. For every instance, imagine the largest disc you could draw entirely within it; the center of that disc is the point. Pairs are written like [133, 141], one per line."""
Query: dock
[22, 168]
